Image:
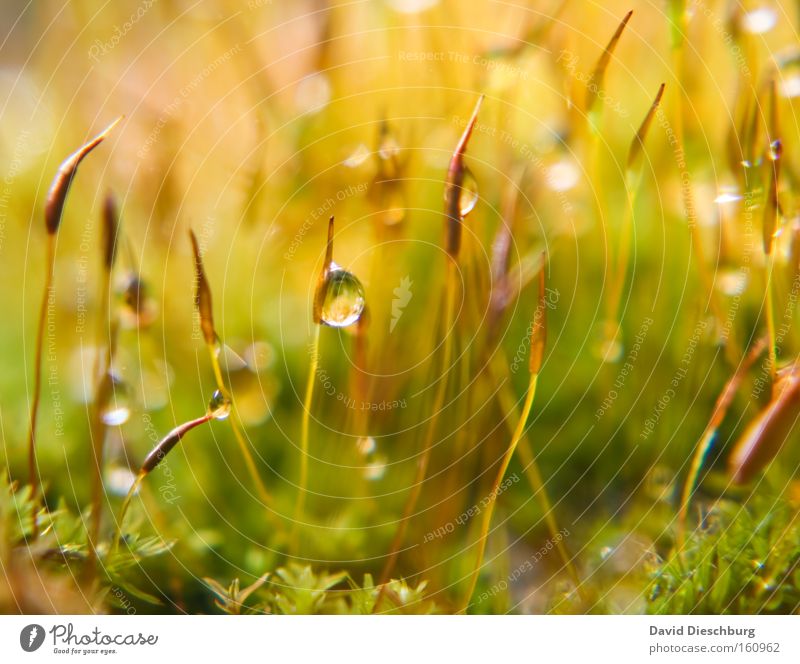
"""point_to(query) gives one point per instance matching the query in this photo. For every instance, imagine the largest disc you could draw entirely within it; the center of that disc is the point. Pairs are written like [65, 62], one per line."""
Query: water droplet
[117, 411]
[344, 298]
[775, 150]
[468, 196]
[219, 406]
[759, 20]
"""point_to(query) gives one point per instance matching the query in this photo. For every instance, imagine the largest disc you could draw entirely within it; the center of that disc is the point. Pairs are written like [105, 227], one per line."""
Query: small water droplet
[219, 406]
[775, 150]
[468, 195]
[344, 298]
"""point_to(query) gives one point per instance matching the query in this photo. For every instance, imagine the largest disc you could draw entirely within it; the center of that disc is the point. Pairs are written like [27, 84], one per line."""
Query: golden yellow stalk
[538, 340]
[633, 172]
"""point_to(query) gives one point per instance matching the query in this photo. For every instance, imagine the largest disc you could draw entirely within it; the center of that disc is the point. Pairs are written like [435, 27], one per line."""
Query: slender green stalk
[511, 413]
[126, 503]
[302, 483]
[488, 511]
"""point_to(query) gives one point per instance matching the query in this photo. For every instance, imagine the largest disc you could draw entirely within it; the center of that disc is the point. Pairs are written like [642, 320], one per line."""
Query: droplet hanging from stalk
[467, 194]
[339, 299]
[461, 191]
[219, 407]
